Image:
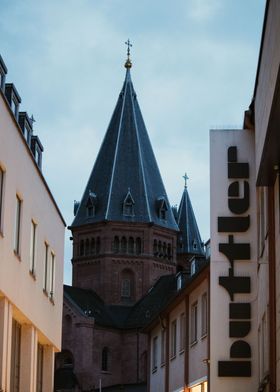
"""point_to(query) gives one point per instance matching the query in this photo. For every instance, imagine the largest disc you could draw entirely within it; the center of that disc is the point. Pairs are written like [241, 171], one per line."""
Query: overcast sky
[194, 68]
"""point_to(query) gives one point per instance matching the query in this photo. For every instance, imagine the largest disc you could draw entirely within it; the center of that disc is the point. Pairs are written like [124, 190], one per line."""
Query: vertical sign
[233, 268]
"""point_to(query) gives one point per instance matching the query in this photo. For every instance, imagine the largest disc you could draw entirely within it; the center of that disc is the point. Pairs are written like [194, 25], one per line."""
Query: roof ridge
[117, 147]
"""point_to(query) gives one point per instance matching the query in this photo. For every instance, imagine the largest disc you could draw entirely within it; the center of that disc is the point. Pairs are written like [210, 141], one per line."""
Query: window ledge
[32, 274]
[181, 351]
[173, 357]
[204, 336]
[154, 369]
[193, 343]
[162, 364]
[45, 292]
[106, 372]
[51, 300]
[17, 255]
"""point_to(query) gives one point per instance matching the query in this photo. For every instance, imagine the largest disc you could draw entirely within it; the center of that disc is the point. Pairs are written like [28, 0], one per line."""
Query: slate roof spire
[189, 240]
[126, 162]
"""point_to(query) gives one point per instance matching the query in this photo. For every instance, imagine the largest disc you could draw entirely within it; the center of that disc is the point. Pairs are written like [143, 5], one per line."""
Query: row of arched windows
[89, 246]
[127, 245]
[162, 250]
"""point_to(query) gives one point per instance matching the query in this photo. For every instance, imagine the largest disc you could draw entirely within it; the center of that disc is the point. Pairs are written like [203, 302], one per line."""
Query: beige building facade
[178, 337]
[31, 254]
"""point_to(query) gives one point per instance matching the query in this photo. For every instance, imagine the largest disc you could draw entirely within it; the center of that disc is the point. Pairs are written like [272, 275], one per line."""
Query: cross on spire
[186, 178]
[129, 45]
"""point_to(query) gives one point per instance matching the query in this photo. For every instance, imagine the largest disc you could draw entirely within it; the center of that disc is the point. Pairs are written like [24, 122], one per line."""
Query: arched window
[155, 248]
[164, 250]
[116, 244]
[160, 249]
[130, 245]
[138, 246]
[123, 245]
[127, 284]
[169, 251]
[82, 248]
[98, 245]
[126, 289]
[105, 359]
[87, 247]
[92, 246]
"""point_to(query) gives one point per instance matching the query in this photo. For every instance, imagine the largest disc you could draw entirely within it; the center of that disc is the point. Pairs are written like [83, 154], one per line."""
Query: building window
[138, 246]
[45, 282]
[204, 315]
[261, 221]
[17, 225]
[15, 356]
[116, 245]
[163, 335]
[27, 133]
[155, 354]
[128, 204]
[52, 275]
[194, 323]
[87, 247]
[2, 177]
[126, 289]
[130, 245]
[92, 246]
[82, 248]
[155, 248]
[123, 245]
[14, 106]
[33, 247]
[173, 338]
[40, 364]
[98, 245]
[182, 332]
[104, 360]
[193, 267]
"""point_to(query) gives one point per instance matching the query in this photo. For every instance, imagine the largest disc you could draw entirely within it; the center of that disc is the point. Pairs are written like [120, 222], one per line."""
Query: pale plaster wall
[198, 351]
[269, 66]
[177, 363]
[157, 378]
[22, 177]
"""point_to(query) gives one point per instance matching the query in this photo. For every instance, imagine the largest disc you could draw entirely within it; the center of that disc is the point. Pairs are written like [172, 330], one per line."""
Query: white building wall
[177, 362]
[198, 351]
[21, 292]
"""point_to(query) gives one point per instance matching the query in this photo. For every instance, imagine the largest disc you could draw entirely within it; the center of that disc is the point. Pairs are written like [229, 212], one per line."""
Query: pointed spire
[189, 240]
[126, 165]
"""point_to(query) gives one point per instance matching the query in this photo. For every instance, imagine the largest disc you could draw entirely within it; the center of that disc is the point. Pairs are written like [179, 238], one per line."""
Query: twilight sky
[194, 68]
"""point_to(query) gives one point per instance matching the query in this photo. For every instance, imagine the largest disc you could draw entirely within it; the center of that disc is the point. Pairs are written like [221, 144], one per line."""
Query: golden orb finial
[128, 63]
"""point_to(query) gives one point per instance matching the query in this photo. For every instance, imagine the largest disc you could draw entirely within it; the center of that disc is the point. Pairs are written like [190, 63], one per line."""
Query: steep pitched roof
[119, 316]
[189, 240]
[126, 165]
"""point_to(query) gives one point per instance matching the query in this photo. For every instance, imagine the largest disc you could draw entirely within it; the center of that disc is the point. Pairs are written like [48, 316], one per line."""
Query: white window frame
[204, 315]
[52, 275]
[163, 347]
[193, 336]
[46, 268]
[173, 340]
[33, 245]
[155, 354]
[17, 228]
[2, 184]
[182, 332]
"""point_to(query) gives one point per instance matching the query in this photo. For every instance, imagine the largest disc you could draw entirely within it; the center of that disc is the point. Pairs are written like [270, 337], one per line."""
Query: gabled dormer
[128, 204]
[13, 98]
[3, 73]
[161, 207]
[91, 204]
[25, 124]
[37, 150]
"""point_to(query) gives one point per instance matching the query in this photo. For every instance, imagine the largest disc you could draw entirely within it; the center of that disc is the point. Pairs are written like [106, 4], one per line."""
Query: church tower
[124, 231]
[189, 242]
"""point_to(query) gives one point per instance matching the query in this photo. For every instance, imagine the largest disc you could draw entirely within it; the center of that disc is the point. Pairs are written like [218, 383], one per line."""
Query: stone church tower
[124, 242]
